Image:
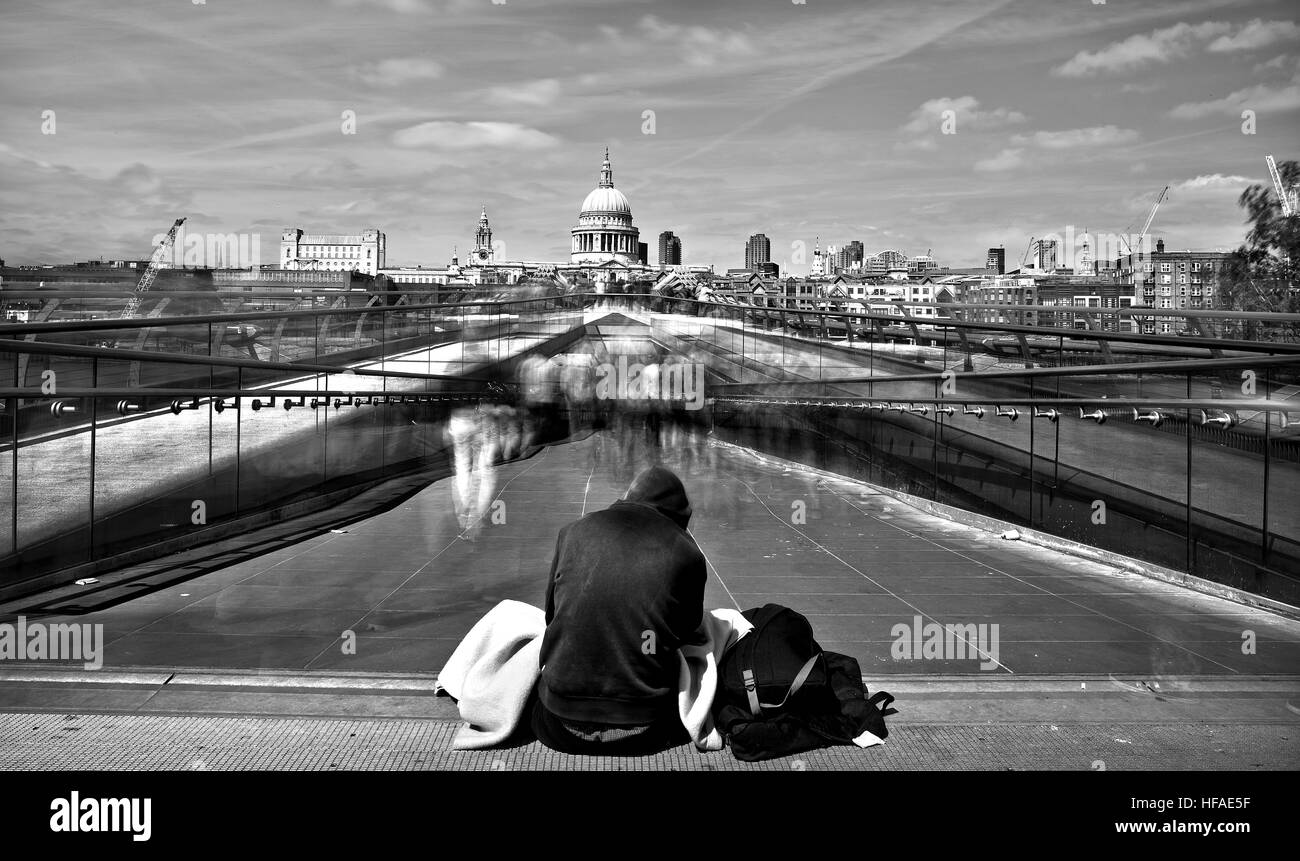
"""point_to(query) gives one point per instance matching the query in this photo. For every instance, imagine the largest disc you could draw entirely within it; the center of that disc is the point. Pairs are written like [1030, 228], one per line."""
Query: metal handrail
[936, 322]
[105, 324]
[123, 355]
[1103, 403]
[1177, 367]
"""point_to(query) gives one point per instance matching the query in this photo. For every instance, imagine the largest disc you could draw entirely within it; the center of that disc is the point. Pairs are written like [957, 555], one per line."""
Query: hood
[662, 490]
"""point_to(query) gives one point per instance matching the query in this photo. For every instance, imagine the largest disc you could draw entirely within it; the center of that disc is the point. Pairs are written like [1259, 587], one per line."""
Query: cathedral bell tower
[482, 253]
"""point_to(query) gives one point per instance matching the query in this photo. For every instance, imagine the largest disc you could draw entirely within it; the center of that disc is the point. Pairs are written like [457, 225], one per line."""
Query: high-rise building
[835, 259]
[758, 250]
[853, 255]
[670, 249]
[997, 261]
[1045, 254]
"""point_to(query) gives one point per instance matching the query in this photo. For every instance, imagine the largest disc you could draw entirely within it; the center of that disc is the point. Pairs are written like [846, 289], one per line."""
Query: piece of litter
[1123, 741]
[868, 739]
[185, 594]
[338, 531]
[1011, 535]
[86, 581]
[1055, 728]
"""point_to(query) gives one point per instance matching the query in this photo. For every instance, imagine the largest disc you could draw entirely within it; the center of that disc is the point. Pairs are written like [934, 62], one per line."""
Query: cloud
[400, 70]
[1256, 34]
[536, 93]
[1261, 97]
[1141, 87]
[1072, 138]
[699, 46]
[405, 7]
[341, 208]
[929, 117]
[1008, 159]
[473, 135]
[1211, 181]
[137, 180]
[9, 152]
[1159, 46]
[1278, 63]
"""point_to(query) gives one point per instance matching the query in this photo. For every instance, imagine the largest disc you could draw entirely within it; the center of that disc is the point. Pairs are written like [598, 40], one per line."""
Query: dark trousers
[662, 735]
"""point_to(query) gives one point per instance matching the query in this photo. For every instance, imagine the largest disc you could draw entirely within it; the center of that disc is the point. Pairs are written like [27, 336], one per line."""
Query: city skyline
[801, 120]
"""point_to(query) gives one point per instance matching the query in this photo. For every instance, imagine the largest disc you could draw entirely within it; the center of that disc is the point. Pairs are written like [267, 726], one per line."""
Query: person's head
[661, 489]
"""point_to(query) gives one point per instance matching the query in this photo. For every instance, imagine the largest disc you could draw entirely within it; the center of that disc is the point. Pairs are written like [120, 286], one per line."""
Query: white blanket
[494, 669]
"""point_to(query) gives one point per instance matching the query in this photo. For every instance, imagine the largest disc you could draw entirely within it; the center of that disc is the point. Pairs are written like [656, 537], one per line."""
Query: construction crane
[1150, 217]
[151, 272]
[1024, 258]
[1283, 196]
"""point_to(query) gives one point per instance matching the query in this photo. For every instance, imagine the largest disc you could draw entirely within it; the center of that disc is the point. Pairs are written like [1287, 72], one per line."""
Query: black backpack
[779, 693]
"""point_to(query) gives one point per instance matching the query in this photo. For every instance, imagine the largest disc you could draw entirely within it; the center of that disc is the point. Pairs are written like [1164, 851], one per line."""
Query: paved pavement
[201, 743]
[243, 666]
[857, 562]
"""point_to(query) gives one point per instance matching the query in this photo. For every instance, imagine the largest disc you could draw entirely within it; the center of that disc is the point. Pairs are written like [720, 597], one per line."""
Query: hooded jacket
[626, 590]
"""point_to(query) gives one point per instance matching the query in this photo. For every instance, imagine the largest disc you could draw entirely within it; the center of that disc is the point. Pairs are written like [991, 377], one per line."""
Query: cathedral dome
[606, 199]
[605, 233]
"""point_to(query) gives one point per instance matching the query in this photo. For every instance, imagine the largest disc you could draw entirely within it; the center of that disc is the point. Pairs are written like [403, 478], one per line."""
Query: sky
[947, 126]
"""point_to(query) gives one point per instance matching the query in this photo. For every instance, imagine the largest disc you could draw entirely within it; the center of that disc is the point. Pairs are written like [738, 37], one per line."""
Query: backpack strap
[888, 698]
[751, 689]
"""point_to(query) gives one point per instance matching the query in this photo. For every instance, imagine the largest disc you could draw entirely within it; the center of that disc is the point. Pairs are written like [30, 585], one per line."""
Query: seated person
[626, 591]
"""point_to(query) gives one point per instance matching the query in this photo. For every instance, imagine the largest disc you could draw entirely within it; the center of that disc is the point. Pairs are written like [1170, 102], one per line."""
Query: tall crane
[151, 272]
[1283, 196]
[1150, 217]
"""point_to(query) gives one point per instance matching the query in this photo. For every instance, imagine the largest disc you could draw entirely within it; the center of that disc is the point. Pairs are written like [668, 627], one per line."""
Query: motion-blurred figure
[474, 434]
[509, 430]
[539, 388]
[579, 386]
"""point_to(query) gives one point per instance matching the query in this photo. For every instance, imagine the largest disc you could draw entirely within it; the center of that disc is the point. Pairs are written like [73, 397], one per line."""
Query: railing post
[239, 426]
[1187, 424]
[13, 484]
[1268, 458]
[94, 427]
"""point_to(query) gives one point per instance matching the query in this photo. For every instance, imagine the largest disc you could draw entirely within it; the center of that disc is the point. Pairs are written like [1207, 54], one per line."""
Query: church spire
[606, 172]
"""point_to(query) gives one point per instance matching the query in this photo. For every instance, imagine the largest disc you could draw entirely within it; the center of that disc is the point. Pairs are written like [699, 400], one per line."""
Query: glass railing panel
[53, 474]
[8, 471]
[281, 443]
[1226, 517]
